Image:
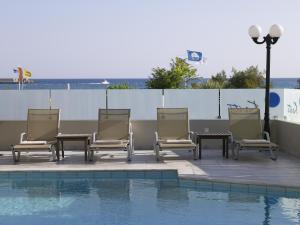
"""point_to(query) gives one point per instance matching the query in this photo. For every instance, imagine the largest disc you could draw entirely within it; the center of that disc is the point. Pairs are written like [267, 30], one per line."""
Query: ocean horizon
[96, 83]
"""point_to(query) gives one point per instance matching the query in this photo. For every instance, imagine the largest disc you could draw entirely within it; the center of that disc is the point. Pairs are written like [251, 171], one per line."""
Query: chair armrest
[192, 136]
[22, 137]
[94, 136]
[131, 137]
[156, 137]
[231, 139]
[267, 135]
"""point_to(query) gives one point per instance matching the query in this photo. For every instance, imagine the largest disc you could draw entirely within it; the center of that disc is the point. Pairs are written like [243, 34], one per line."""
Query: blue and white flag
[194, 56]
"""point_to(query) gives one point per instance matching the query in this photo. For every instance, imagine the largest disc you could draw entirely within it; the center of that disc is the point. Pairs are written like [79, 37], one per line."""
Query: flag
[27, 74]
[19, 71]
[194, 56]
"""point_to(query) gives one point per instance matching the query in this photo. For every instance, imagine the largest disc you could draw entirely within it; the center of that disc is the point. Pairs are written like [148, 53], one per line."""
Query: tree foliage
[220, 77]
[175, 77]
[119, 86]
[210, 84]
[249, 78]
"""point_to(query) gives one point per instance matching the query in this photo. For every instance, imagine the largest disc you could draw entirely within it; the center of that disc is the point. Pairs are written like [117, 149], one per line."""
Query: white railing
[202, 103]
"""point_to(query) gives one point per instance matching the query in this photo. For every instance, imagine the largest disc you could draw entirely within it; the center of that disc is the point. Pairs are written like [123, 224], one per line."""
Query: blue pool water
[59, 201]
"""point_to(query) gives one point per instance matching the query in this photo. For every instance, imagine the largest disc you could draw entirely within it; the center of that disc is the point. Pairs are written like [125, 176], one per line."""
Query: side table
[72, 137]
[224, 136]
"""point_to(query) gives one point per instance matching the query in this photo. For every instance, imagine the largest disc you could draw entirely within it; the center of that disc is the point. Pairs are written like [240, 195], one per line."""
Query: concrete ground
[253, 167]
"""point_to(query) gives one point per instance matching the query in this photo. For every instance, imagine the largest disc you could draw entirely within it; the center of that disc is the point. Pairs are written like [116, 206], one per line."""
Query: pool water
[136, 201]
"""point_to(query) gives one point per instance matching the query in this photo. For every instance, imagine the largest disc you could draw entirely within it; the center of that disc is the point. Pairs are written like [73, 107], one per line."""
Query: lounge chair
[173, 131]
[42, 128]
[114, 132]
[246, 131]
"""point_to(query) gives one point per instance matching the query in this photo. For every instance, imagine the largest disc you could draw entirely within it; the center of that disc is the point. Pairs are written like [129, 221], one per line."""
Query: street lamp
[270, 39]
[106, 84]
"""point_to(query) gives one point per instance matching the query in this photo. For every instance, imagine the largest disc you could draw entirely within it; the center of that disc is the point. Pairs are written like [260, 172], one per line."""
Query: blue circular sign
[274, 99]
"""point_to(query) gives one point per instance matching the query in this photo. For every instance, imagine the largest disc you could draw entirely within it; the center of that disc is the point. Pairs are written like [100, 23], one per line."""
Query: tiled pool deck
[253, 168]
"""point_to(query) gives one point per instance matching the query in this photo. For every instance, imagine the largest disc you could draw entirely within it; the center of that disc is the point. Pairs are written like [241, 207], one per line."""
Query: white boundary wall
[292, 105]
[78, 104]
[243, 98]
[202, 103]
[14, 104]
[142, 102]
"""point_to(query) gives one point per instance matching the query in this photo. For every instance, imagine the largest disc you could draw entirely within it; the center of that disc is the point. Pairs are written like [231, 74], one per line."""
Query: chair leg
[129, 153]
[16, 155]
[273, 156]
[157, 149]
[196, 152]
[232, 149]
[236, 157]
[88, 155]
[53, 151]
[91, 155]
[132, 146]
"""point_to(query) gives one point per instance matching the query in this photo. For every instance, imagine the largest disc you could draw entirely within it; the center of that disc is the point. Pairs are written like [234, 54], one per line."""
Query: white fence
[142, 102]
[78, 104]
[202, 103]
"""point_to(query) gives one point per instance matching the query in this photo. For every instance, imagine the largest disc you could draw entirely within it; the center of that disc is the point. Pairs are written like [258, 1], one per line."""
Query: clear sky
[126, 38]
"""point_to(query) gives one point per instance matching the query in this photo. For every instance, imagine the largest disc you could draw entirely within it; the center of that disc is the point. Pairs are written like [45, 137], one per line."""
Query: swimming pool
[111, 198]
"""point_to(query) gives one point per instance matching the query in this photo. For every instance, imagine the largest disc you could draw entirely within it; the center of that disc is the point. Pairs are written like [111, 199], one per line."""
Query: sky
[127, 38]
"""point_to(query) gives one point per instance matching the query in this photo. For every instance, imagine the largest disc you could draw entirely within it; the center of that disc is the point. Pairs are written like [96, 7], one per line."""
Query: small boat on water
[105, 82]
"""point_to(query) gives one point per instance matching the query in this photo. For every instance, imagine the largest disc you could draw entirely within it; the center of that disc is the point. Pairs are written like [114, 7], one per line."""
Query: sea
[137, 83]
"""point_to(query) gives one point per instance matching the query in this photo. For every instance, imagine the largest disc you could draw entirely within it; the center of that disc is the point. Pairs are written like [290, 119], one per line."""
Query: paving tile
[68, 175]
[119, 174]
[220, 186]
[35, 175]
[205, 185]
[136, 174]
[187, 183]
[239, 188]
[258, 189]
[17, 175]
[51, 175]
[168, 174]
[153, 174]
[85, 174]
[276, 190]
[293, 192]
[4, 175]
[251, 168]
[102, 174]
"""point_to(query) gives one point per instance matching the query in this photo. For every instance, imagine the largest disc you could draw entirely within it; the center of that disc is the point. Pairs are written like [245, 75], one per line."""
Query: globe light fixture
[276, 31]
[254, 31]
[271, 38]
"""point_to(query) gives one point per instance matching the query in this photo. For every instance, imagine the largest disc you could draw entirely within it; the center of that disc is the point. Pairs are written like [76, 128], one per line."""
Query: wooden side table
[224, 136]
[72, 137]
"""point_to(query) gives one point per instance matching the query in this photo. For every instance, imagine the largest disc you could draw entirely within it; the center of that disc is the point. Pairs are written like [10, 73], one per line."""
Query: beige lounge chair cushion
[255, 141]
[108, 142]
[177, 141]
[177, 145]
[34, 142]
[28, 147]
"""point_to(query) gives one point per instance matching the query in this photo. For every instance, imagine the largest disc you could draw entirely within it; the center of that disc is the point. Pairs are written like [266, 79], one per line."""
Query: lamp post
[270, 39]
[106, 84]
